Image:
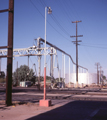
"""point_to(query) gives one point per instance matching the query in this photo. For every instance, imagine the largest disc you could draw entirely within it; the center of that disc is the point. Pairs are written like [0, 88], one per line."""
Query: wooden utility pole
[51, 68]
[17, 75]
[0, 64]
[10, 54]
[100, 74]
[76, 42]
[97, 64]
[39, 61]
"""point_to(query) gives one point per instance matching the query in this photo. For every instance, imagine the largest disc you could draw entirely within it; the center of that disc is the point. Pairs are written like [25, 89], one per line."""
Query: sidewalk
[25, 111]
[60, 110]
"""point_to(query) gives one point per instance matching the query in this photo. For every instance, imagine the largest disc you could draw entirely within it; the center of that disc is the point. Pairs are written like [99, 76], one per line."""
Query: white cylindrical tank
[83, 78]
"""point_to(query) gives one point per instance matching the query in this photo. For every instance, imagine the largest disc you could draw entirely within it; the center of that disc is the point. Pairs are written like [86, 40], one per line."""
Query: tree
[104, 77]
[2, 74]
[48, 78]
[57, 79]
[23, 74]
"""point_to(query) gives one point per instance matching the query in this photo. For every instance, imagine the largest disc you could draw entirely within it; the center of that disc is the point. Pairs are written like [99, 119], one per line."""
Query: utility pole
[76, 42]
[17, 74]
[63, 70]
[51, 68]
[39, 61]
[100, 74]
[97, 64]
[0, 64]
[10, 54]
[28, 68]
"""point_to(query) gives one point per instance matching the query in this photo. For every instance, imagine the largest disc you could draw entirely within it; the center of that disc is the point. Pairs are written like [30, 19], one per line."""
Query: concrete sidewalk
[24, 111]
[60, 110]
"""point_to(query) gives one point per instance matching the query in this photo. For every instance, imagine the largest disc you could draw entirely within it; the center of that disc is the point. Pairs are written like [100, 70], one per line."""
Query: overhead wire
[55, 20]
[58, 32]
[88, 56]
[66, 13]
[59, 25]
[94, 46]
[77, 16]
[36, 8]
[43, 3]
[49, 22]
[72, 6]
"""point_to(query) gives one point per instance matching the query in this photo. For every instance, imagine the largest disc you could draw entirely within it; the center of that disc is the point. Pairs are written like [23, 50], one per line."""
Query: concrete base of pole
[45, 103]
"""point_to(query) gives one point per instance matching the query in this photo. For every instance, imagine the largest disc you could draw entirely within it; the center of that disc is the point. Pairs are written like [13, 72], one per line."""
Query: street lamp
[45, 102]
[49, 12]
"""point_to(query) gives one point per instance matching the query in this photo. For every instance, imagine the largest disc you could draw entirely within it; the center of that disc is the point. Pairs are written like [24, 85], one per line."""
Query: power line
[58, 31]
[59, 4]
[59, 25]
[94, 46]
[55, 20]
[68, 5]
[89, 56]
[36, 8]
[48, 21]
[72, 6]
[66, 12]
[43, 3]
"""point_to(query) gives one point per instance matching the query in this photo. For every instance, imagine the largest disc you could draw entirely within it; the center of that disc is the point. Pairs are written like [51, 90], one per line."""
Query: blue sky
[29, 24]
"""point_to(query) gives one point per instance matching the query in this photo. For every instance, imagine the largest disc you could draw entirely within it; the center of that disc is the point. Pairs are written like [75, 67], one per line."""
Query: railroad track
[29, 94]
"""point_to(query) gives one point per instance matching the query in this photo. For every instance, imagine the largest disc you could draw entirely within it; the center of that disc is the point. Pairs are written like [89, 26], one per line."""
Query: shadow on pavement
[76, 110]
[4, 108]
